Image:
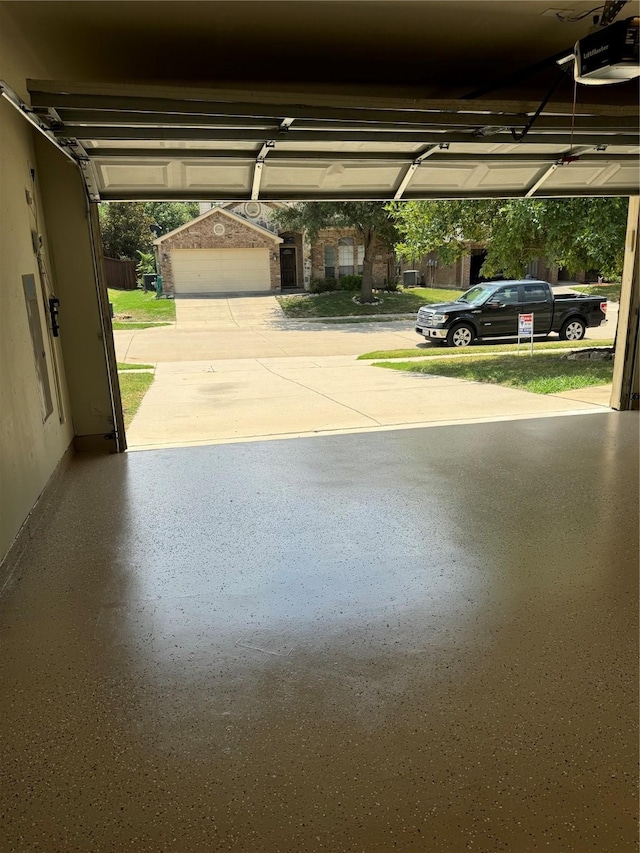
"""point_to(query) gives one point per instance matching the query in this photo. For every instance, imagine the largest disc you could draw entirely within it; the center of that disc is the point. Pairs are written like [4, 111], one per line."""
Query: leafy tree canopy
[576, 233]
[171, 214]
[126, 226]
[370, 219]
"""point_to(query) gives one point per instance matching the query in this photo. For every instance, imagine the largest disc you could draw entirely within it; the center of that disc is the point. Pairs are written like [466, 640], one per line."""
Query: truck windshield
[477, 294]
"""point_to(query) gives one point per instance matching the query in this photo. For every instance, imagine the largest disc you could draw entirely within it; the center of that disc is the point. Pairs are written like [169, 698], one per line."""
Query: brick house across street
[236, 247]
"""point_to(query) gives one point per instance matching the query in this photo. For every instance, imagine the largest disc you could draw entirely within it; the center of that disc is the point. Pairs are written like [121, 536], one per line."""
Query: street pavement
[234, 369]
[255, 327]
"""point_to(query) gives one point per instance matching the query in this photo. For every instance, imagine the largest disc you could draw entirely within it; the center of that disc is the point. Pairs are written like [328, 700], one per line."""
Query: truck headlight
[440, 318]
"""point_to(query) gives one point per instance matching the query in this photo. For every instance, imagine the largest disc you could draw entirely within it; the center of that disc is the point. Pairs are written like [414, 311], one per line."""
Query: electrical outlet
[29, 197]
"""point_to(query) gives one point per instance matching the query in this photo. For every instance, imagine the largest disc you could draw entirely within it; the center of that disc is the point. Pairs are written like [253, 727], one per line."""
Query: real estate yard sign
[525, 329]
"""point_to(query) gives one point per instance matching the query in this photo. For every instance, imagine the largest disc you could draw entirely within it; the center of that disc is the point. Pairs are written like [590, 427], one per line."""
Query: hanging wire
[573, 115]
[518, 136]
[568, 19]
[611, 9]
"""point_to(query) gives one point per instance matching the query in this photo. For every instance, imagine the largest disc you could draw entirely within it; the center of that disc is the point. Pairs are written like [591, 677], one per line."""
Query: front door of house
[288, 277]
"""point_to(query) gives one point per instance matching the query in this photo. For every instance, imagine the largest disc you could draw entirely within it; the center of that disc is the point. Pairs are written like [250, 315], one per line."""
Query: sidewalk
[169, 344]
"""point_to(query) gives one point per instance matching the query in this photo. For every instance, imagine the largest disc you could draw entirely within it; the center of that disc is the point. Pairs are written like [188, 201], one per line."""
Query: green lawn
[127, 327]
[122, 366]
[343, 321]
[341, 304]
[435, 351]
[609, 291]
[133, 387]
[139, 306]
[541, 374]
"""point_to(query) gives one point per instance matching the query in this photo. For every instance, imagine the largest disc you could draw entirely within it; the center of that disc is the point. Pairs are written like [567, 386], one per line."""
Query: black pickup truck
[491, 310]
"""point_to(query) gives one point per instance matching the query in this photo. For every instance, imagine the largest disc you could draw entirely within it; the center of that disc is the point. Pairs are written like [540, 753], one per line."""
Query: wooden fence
[121, 275]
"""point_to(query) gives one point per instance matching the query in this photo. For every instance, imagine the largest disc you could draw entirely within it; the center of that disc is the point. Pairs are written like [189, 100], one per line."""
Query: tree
[126, 225]
[126, 229]
[171, 214]
[370, 219]
[576, 233]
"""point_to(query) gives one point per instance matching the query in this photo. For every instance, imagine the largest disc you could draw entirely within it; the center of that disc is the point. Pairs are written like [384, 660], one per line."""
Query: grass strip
[133, 387]
[439, 352]
[336, 321]
[140, 306]
[341, 304]
[125, 327]
[540, 374]
[122, 366]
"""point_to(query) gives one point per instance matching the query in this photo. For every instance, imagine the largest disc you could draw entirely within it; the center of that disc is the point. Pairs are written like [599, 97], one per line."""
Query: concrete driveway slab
[229, 365]
[228, 311]
[597, 394]
[439, 400]
[349, 380]
[299, 412]
[201, 389]
[219, 401]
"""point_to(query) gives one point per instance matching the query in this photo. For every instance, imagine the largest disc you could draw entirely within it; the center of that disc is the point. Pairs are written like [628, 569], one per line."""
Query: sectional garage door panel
[220, 270]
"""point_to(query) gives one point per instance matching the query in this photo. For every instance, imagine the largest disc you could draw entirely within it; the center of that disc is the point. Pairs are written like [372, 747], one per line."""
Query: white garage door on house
[220, 270]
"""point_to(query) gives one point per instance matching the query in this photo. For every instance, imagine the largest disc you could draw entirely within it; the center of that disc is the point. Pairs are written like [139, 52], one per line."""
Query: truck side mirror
[495, 303]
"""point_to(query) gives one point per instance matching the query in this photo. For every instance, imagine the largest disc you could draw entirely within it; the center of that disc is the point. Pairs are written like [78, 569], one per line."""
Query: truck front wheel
[460, 336]
[573, 330]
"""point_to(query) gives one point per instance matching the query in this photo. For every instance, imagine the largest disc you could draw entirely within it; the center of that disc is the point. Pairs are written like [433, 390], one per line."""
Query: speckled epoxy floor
[421, 641]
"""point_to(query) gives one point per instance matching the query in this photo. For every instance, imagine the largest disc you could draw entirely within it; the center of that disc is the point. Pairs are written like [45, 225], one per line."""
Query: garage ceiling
[456, 99]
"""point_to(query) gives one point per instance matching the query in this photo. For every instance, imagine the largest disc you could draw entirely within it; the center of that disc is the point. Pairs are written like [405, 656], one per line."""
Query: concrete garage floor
[422, 640]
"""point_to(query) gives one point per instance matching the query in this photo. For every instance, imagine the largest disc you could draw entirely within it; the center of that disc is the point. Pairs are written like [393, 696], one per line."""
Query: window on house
[360, 259]
[345, 256]
[329, 262]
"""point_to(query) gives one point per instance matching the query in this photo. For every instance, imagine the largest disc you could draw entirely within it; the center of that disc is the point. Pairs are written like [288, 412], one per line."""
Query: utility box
[149, 280]
[411, 278]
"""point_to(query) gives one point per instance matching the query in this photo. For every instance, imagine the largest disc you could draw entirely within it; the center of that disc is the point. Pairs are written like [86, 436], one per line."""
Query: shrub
[147, 262]
[351, 282]
[323, 285]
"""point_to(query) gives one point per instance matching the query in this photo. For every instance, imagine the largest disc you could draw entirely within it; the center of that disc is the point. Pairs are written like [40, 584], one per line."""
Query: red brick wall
[454, 276]
[458, 275]
[200, 235]
[382, 263]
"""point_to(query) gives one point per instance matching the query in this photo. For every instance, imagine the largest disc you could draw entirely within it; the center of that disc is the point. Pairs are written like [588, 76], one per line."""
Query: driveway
[228, 311]
[238, 399]
[234, 368]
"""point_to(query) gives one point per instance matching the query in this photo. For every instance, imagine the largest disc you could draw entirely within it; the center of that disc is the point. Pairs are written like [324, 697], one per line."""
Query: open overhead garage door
[205, 271]
[155, 143]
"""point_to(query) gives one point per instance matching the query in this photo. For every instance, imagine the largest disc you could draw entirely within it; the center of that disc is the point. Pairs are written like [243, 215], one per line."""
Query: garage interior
[416, 640]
